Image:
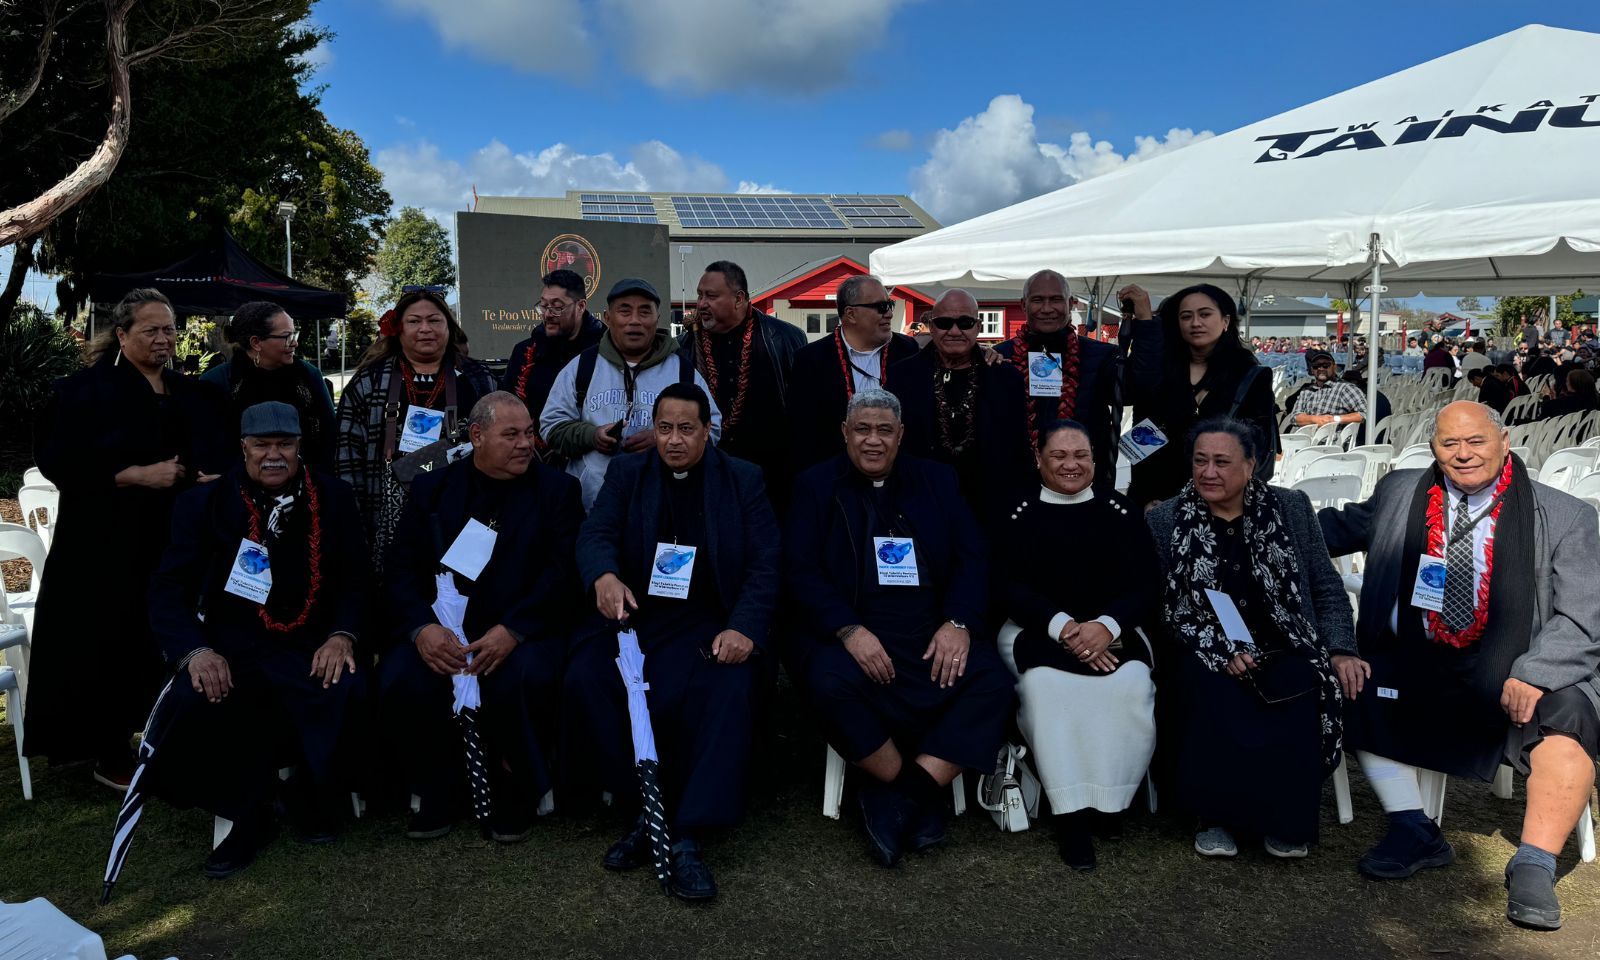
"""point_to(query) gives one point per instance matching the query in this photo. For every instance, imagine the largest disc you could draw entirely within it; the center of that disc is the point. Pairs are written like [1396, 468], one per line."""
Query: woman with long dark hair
[121, 440]
[264, 367]
[413, 367]
[1204, 370]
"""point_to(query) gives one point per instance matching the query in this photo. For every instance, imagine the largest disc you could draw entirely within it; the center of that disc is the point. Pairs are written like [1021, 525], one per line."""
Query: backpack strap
[391, 412]
[585, 374]
[1244, 388]
[685, 366]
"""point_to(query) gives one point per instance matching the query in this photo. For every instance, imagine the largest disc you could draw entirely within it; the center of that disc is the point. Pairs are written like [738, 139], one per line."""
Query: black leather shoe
[632, 851]
[927, 825]
[1076, 847]
[691, 878]
[430, 823]
[1531, 897]
[886, 816]
[236, 851]
[509, 828]
[1404, 850]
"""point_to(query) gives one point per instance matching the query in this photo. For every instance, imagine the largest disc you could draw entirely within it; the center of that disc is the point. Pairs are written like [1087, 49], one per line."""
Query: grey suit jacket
[1565, 646]
[1319, 581]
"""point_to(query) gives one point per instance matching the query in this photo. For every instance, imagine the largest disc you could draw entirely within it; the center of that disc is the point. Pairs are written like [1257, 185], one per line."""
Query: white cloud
[546, 36]
[693, 46]
[893, 140]
[750, 186]
[995, 159]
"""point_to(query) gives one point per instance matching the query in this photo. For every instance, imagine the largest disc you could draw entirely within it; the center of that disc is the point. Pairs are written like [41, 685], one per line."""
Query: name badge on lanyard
[250, 576]
[672, 571]
[1144, 439]
[1044, 374]
[420, 428]
[1428, 592]
[470, 552]
[897, 561]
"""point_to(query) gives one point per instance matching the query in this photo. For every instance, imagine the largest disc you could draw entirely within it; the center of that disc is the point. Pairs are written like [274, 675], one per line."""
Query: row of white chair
[18, 542]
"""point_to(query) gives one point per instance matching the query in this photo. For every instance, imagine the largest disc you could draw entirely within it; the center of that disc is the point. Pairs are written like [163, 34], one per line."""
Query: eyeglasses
[945, 323]
[437, 288]
[293, 336]
[557, 307]
[885, 307]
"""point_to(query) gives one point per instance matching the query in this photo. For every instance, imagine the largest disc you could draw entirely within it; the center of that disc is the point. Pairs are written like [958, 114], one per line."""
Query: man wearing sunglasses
[859, 355]
[1327, 399]
[566, 329]
[962, 411]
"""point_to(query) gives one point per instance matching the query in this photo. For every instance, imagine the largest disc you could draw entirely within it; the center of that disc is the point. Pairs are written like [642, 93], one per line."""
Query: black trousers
[223, 757]
[516, 723]
[702, 713]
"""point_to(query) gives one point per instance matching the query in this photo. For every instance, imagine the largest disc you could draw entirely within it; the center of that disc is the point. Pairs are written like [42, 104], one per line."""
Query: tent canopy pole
[1374, 340]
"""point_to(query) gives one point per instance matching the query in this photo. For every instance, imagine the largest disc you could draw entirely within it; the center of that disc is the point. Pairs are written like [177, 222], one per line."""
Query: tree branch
[21, 263]
[14, 102]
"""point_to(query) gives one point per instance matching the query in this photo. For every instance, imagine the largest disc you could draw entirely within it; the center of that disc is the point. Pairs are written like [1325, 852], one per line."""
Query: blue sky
[965, 105]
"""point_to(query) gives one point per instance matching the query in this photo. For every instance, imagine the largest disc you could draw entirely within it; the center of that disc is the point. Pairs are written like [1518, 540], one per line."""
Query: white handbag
[1011, 793]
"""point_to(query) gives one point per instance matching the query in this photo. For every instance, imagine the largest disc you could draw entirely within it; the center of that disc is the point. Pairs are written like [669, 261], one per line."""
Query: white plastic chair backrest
[1411, 448]
[1290, 442]
[1325, 434]
[1306, 430]
[41, 506]
[1290, 469]
[33, 476]
[1347, 435]
[1522, 453]
[1563, 467]
[1334, 491]
[1591, 442]
[17, 542]
[1414, 460]
[1381, 452]
[1586, 486]
[1336, 465]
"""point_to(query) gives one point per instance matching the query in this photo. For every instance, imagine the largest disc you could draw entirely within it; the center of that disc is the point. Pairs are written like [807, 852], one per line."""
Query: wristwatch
[958, 625]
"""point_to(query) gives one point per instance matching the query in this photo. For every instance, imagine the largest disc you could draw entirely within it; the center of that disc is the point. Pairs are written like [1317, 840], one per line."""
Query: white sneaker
[1286, 851]
[1215, 842]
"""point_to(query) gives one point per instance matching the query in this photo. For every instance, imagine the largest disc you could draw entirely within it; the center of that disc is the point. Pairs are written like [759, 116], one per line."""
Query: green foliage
[416, 249]
[34, 351]
[197, 339]
[1469, 305]
[1512, 312]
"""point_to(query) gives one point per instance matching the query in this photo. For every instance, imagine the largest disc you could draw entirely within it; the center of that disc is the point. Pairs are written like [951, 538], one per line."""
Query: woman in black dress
[1071, 637]
[264, 367]
[1203, 370]
[121, 440]
[1251, 708]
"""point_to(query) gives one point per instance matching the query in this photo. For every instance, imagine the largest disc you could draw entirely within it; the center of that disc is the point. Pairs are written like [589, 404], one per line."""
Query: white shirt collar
[1475, 501]
[1046, 495]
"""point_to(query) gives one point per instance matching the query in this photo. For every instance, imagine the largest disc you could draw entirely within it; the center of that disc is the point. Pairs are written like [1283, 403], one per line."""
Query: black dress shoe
[236, 851]
[927, 825]
[430, 823]
[691, 878]
[1531, 897]
[317, 832]
[886, 816]
[508, 827]
[632, 851]
[1404, 850]
[1076, 847]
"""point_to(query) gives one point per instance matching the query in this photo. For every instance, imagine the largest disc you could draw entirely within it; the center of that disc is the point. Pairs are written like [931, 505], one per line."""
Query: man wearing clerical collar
[1479, 618]
[888, 577]
[682, 547]
[272, 554]
[498, 528]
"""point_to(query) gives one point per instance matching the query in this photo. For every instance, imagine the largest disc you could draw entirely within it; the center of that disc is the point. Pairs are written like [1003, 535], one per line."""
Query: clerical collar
[1046, 495]
[677, 475]
[878, 483]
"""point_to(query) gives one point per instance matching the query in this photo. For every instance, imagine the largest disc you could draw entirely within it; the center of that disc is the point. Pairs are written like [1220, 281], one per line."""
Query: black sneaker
[632, 851]
[1531, 897]
[691, 878]
[1404, 850]
[509, 827]
[886, 816]
[236, 851]
[430, 823]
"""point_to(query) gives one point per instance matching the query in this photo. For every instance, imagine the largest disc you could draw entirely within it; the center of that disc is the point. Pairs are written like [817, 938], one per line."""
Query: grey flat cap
[629, 285]
[272, 418]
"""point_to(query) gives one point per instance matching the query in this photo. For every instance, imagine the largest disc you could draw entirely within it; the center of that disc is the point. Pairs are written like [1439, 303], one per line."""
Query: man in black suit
[503, 529]
[683, 546]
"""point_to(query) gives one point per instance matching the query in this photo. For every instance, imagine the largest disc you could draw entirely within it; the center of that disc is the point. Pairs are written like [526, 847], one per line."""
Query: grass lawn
[793, 885]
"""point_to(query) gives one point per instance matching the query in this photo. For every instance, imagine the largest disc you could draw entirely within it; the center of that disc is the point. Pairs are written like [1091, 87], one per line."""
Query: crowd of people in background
[426, 590]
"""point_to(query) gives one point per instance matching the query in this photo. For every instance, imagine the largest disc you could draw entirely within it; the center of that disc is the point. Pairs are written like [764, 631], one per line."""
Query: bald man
[962, 411]
[1481, 628]
[1066, 377]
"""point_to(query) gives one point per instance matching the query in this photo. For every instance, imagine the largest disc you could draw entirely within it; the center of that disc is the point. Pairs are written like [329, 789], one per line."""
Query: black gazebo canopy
[217, 280]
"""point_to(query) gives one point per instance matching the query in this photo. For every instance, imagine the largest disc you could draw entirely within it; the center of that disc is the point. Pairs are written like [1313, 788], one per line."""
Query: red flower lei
[1473, 632]
[844, 364]
[411, 390]
[313, 554]
[1069, 381]
[709, 369]
[527, 368]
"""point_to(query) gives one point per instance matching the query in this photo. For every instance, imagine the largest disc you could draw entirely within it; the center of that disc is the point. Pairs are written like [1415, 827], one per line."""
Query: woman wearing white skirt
[1076, 575]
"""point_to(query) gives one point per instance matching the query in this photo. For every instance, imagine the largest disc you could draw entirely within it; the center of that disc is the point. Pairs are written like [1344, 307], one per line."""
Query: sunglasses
[437, 288]
[945, 323]
[881, 306]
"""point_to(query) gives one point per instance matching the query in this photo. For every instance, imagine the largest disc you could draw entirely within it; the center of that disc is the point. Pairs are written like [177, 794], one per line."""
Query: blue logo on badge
[892, 552]
[253, 561]
[1144, 436]
[1433, 575]
[424, 421]
[670, 561]
[1044, 366]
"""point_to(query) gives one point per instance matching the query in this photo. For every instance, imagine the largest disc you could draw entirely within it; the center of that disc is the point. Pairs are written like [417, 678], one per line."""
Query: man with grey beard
[259, 605]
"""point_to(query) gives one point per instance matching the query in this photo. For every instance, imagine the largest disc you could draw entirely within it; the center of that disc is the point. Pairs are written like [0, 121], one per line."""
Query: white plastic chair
[41, 507]
[37, 928]
[1330, 491]
[833, 787]
[33, 476]
[1433, 789]
[1412, 461]
[17, 542]
[1586, 486]
[13, 639]
[1335, 465]
[1562, 468]
[1290, 442]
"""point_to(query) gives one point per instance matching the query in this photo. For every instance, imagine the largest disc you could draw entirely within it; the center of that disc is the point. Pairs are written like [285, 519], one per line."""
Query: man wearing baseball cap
[600, 403]
[1327, 399]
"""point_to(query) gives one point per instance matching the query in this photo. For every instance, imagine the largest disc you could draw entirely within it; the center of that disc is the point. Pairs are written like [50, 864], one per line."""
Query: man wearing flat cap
[600, 403]
[259, 603]
[1327, 399]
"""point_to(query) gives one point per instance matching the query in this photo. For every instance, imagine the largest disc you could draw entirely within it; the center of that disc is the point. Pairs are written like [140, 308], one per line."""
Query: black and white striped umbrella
[477, 772]
[133, 801]
[450, 607]
[630, 662]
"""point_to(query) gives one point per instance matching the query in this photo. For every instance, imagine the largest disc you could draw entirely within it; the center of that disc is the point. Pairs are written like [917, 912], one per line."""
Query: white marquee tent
[1477, 172]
